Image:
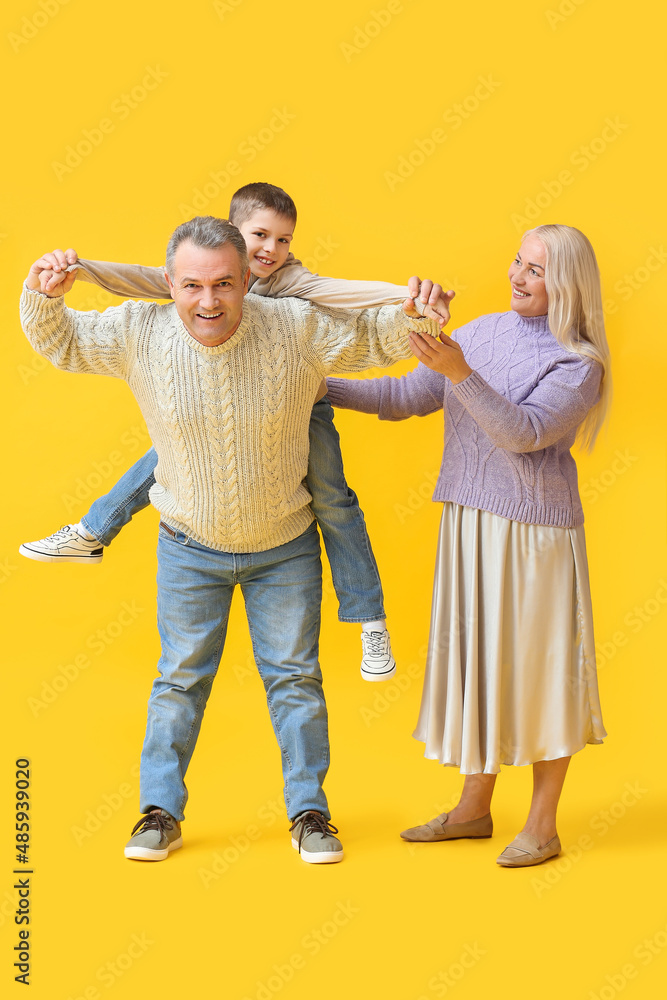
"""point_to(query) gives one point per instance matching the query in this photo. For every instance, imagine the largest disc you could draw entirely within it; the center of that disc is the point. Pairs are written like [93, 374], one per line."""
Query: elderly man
[226, 387]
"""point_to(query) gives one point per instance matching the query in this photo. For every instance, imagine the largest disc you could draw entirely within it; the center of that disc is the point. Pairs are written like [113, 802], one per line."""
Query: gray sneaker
[154, 836]
[312, 837]
[64, 545]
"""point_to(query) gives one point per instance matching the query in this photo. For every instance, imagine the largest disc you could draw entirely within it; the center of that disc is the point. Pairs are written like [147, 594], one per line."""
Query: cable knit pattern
[509, 426]
[230, 423]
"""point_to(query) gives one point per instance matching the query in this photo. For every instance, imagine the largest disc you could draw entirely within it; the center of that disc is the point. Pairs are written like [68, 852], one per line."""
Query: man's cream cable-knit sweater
[230, 423]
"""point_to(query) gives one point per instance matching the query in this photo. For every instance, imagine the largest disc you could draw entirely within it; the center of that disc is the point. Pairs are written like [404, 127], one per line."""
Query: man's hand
[49, 274]
[431, 295]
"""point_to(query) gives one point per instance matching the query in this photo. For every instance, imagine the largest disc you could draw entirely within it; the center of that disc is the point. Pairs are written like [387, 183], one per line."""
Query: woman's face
[526, 274]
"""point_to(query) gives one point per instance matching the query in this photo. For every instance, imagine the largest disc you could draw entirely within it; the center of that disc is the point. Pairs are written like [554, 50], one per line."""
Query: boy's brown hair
[254, 197]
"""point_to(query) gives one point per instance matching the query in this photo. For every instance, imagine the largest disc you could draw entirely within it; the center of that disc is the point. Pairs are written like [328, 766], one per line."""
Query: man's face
[208, 288]
[268, 237]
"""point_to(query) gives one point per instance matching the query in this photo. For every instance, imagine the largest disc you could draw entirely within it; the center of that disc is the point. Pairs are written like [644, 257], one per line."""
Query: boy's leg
[195, 586]
[82, 542]
[116, 508]
[341, 520]
[353, 568]
[282, 589]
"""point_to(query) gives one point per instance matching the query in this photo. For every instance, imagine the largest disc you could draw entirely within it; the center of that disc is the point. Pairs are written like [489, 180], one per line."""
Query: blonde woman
[510, 674]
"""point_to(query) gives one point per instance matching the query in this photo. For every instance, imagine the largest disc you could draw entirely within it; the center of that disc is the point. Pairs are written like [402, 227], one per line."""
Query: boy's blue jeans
[335, 506]
[282, 589]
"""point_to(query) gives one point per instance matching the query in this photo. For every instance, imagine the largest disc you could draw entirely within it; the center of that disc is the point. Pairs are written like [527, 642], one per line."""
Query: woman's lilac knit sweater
[509, 426]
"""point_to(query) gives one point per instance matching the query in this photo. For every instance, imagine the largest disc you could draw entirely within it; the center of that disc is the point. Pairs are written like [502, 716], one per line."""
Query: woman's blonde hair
[572, 280]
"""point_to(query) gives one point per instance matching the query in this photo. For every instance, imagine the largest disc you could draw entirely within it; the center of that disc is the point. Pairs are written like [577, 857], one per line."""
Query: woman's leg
[475, 800]
[548, 778]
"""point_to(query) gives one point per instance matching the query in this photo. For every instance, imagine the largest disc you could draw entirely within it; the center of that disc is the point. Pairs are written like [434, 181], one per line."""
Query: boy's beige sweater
[140, 281]
[230, 423]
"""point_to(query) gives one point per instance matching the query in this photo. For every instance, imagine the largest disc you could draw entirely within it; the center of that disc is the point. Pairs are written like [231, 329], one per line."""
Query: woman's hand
[443, 355]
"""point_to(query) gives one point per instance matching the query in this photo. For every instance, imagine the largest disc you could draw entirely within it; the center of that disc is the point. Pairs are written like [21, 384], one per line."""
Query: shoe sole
[40, 557]
[149, 854]
[318, 857]
[380, 676]
[440, 840]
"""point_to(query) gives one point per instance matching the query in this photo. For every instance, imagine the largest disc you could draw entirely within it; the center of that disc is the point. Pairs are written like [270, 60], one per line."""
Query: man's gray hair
[210, 233]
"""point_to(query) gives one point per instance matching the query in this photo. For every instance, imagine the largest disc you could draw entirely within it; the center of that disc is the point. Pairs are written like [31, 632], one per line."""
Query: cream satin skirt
[510, 673]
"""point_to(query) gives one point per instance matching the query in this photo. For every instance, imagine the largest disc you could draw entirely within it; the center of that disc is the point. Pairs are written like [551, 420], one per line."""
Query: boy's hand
[430, 294]
[49, 274]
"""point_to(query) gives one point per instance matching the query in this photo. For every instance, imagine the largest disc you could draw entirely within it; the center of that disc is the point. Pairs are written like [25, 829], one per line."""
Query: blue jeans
[282, 589]
[335, 506]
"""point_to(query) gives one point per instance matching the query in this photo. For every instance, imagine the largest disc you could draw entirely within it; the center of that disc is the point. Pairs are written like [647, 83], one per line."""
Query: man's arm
[89, 342]
[351, 341]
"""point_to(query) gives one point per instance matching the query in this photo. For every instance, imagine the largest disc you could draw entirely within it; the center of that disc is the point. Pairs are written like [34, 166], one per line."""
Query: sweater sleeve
[351, 341]
[557, 405]
[418, 393]
[133, 280]
[293, 279]
[85, 342]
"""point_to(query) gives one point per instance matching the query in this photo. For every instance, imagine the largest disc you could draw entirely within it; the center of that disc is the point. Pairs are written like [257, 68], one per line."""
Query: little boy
[266, 217]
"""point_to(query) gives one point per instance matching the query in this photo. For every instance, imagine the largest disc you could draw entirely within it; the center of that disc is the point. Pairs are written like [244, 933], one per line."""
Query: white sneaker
[377, 662]
[66, 545]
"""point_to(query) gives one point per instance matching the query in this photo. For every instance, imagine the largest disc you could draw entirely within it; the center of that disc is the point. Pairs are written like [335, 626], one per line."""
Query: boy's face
[268, 237]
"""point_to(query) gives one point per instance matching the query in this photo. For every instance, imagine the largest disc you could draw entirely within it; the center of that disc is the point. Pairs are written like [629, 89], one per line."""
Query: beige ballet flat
[525, 850]
[439, 829]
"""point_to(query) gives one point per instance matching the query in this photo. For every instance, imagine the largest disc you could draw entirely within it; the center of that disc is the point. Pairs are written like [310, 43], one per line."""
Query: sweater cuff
[361, 394]
[336, 391]
[33, 303]
[470, 387]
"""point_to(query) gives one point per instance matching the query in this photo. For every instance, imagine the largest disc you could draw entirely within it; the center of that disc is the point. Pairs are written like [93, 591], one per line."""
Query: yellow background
[359, 87]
